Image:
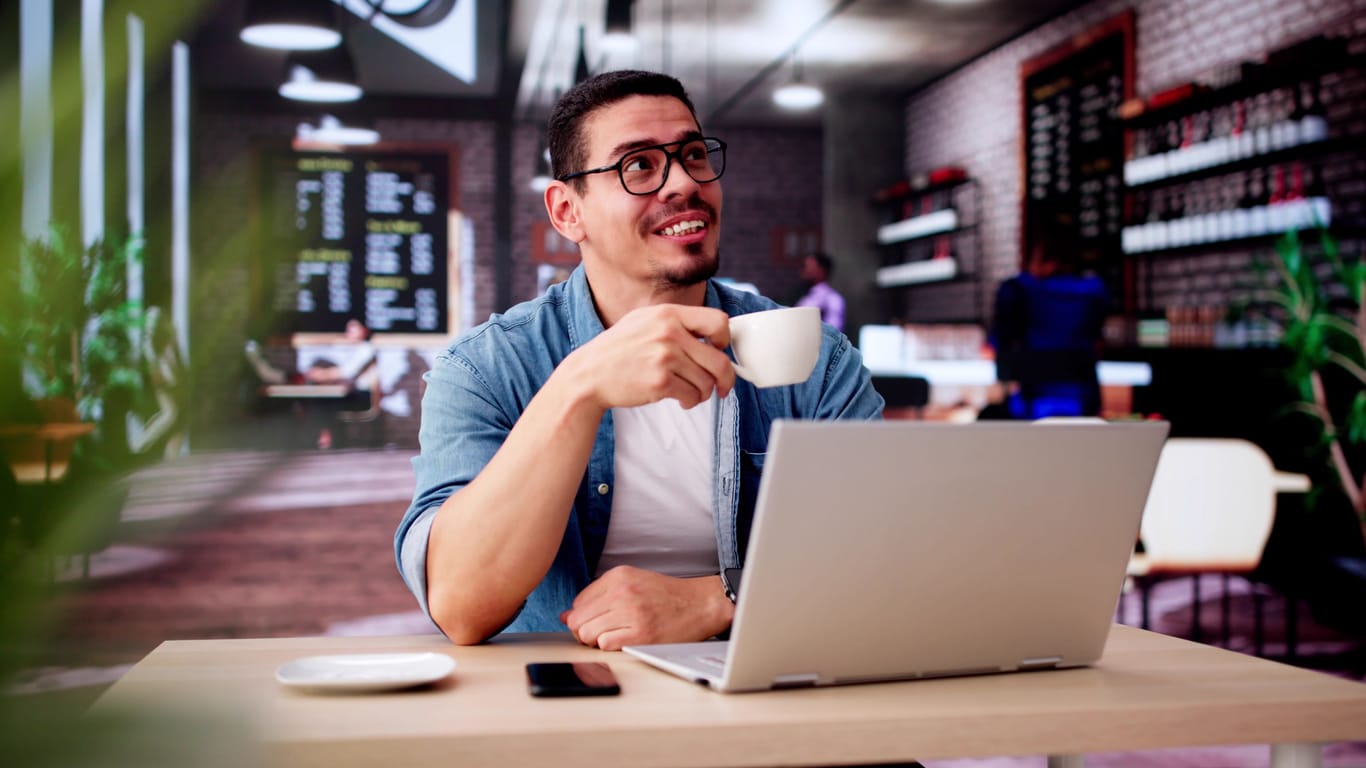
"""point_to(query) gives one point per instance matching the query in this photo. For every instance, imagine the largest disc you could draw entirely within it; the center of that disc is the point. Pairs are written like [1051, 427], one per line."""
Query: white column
[135, 131]
[180, 196]
[92, 120]
[35, 114]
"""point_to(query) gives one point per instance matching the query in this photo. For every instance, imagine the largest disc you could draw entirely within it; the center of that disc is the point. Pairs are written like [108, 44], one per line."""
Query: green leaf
[1356, 420]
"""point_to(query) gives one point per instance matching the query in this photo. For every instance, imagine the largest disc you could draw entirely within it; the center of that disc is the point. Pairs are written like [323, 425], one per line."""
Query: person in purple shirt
[816, 270]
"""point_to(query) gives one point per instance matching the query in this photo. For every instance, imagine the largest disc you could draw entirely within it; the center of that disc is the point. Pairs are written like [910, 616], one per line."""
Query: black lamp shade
[327, 75]
[618, 19]
[333, 65]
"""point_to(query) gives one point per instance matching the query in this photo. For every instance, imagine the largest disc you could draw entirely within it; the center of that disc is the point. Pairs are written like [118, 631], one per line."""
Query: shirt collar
[584, 323]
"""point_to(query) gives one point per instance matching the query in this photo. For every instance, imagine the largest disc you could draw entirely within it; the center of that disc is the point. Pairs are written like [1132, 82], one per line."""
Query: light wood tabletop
[1148, 691]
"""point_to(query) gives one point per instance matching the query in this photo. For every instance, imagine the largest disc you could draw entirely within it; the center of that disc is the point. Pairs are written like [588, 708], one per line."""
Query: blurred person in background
[1046, 329]
[815, 273]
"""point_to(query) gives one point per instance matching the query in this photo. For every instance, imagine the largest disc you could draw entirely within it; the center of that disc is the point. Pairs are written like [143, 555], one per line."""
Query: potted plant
[77, 335]
[1320, 295]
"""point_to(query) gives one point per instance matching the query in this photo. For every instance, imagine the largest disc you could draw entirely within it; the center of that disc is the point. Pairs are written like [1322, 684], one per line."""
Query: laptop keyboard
[715, 664]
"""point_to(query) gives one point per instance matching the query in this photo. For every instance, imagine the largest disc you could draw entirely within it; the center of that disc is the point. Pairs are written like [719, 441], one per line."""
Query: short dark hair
[1053, 240]
[568, 152]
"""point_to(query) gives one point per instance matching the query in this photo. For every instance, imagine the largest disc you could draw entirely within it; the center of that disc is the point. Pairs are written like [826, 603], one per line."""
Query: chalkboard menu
[1074, 140]
[357, 235]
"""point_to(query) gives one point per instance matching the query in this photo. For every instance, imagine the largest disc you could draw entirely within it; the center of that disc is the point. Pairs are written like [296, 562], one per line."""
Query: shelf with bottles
[924, 261]
[1288, 71]
[1255, 114]
[924, 206]
[1247, 205]
[1228, 154]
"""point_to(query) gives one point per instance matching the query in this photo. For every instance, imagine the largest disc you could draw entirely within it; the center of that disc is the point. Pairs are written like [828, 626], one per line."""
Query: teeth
[683, 227]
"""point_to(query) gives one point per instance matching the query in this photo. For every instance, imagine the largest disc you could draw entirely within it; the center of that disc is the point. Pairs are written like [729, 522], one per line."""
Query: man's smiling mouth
[680, 228]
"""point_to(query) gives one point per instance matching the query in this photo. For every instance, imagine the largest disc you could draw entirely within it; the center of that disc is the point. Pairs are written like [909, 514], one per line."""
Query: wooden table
[33, 465]
[1149, 691]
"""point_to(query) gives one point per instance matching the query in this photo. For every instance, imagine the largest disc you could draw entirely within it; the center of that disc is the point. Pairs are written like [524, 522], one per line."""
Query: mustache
[694, 203]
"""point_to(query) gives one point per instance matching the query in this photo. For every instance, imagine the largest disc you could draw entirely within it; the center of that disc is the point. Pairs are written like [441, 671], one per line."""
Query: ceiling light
[330, 130]
[300, 25]
[321, 76]
[798, 95]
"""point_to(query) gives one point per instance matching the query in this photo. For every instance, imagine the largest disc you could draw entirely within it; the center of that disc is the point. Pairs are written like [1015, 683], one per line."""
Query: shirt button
[603, 489]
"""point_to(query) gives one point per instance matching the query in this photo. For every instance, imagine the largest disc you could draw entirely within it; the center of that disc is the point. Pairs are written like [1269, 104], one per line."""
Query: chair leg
[1258, 630]
[1224, 610]
[1195, 608]
[1292, 627]
[1145, 604]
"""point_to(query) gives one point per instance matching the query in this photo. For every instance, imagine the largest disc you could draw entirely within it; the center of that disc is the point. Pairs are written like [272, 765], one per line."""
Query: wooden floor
[238, 544]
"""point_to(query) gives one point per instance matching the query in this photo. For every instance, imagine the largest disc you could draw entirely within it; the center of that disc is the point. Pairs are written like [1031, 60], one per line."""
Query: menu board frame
[1055, 63]
[265, 263]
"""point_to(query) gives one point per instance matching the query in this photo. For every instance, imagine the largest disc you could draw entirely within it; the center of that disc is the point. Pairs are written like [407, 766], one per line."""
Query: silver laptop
[902, 550]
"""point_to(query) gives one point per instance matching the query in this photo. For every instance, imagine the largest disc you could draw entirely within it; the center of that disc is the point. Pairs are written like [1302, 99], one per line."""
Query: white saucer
[364, 671]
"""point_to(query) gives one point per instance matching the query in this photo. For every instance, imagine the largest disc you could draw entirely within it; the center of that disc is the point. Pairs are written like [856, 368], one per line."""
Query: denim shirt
[477, 389]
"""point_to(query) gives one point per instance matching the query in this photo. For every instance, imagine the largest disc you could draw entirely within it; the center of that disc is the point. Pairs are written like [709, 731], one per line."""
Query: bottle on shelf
[1313, 126]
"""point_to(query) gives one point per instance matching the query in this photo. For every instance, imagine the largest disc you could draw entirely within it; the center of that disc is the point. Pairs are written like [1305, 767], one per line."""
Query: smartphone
[588, 678]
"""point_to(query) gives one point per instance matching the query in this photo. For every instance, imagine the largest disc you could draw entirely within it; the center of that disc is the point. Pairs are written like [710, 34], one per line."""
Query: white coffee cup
[776, 347]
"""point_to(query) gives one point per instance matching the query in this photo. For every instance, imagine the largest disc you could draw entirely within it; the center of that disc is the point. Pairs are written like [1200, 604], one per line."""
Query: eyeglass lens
[644, 172]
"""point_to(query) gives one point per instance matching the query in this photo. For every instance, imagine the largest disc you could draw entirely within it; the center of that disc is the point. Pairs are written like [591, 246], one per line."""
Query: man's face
[811, 271]
[652, 238]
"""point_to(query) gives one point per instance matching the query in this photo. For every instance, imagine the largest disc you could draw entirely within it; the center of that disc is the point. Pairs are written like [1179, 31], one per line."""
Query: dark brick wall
[972, 118]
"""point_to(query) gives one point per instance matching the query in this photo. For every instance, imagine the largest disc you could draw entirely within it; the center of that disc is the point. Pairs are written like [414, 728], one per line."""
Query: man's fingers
[592, 632]
[706, 323]
[717, 367]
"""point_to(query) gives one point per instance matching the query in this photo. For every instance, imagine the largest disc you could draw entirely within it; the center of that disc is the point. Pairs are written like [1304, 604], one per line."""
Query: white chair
[1210, 510]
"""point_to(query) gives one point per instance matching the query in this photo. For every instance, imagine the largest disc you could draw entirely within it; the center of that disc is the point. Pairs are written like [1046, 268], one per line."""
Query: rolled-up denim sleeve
[847, 388]
[463, 426]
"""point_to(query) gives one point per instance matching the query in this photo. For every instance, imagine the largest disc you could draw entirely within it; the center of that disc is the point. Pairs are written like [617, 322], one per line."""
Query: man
[816, 270]
[589, 460]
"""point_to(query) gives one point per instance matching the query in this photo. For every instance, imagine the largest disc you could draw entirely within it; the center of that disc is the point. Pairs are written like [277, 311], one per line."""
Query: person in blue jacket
[589, 459]
[1047, 329]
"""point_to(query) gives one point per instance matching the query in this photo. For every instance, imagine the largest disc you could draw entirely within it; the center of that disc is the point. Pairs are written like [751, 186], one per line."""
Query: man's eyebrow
[628, 146]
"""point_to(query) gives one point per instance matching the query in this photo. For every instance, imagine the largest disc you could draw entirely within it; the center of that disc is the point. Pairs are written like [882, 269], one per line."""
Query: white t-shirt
[662, 507]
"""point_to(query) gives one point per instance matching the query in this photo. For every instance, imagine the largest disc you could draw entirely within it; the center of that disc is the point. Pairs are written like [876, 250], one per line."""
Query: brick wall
[972, 118]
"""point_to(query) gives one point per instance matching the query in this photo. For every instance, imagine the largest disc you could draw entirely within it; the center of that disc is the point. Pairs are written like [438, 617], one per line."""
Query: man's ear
[562, 205]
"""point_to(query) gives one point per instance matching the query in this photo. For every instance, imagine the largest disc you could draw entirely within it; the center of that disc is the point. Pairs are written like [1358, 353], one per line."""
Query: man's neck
[614, 296]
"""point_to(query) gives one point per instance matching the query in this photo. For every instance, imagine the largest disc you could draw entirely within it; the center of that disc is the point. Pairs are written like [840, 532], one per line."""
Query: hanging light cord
[773, 66]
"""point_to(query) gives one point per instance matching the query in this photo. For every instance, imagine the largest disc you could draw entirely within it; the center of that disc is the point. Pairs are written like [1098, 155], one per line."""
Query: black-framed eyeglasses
[644, 171]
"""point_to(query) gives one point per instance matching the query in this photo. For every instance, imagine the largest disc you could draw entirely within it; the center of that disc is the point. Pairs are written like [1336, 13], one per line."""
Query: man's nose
[677, 181]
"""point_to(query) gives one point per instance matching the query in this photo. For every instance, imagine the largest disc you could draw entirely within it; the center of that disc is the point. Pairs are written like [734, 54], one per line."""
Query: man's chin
[700, 268]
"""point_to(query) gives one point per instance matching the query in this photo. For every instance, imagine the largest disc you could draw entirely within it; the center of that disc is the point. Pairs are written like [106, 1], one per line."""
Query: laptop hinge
[1042, 662]
[795, 681]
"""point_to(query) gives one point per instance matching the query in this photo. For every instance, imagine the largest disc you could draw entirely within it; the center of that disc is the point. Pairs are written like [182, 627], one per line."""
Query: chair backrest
[1210, 507]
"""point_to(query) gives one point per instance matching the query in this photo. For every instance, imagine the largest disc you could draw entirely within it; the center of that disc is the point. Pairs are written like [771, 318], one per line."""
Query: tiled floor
[250, 544]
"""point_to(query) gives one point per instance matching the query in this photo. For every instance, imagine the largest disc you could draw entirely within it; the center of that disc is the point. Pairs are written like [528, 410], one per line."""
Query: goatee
[703, 267]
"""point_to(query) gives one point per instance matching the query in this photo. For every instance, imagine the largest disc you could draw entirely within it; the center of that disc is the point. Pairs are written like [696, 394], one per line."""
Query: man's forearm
[492, 542]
